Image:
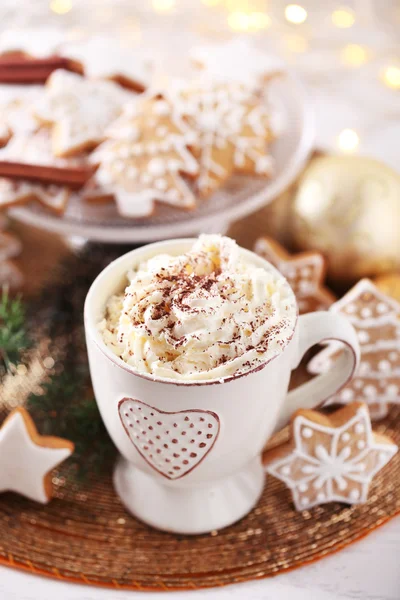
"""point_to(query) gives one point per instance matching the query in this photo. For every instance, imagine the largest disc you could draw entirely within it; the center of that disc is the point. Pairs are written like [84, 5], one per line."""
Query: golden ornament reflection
[348, 208]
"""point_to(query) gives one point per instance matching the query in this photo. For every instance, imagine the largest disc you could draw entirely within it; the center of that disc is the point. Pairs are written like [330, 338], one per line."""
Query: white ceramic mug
[191, 452]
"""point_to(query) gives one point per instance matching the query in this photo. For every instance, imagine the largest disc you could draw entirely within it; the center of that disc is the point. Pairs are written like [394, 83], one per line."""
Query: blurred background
[347, 53]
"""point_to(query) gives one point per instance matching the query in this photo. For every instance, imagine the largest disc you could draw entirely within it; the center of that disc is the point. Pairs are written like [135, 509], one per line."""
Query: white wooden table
[368, 570]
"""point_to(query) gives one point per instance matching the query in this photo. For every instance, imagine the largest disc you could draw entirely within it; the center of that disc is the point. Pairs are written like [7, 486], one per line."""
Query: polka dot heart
[330, 458]
[172, 443]
[376, 318]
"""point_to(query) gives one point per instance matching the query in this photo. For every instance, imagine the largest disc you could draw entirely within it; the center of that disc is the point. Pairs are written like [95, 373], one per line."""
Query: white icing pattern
[26, 464]
[376, 318]
[79, 110]
[333, 463]
[52, 197]
[233, 126]
[145, 157]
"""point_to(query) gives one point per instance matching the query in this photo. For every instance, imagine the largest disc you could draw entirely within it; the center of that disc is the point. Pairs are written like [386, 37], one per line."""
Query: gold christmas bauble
[349, 209]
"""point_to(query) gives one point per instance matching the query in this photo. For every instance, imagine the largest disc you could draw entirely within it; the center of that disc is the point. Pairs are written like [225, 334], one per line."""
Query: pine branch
[14, 338]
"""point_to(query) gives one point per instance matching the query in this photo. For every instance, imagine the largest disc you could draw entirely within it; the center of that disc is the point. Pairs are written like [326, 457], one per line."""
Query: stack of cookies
[96, 126]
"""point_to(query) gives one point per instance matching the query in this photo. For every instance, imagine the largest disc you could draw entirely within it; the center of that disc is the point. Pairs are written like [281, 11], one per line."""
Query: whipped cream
[206, 314]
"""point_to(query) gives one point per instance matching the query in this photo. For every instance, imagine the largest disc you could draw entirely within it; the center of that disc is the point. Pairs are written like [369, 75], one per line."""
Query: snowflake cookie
[304, 271]
[105, 58]
[236, 61]
[330, 458]
[17, 192]
[145, 158]
[376, 318]
[79, 110]
[28, 458]
[233, 127]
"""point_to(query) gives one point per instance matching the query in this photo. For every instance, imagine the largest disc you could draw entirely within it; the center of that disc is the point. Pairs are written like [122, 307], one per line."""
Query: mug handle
[315, 328]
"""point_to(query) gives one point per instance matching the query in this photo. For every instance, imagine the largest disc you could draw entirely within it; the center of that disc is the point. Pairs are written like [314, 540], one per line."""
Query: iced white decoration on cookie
[104, 57]
[331, 459]
[28, 458]
[233, 127]
[52, 197]
[209, 313]
[304, 271]
[236, 61]
[35, 148]
[172, 443]
[145, 158]
[376, 318]
[79, 110]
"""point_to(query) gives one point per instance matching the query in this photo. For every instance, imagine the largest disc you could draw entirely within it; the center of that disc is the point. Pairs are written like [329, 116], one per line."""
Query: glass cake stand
[240, 197]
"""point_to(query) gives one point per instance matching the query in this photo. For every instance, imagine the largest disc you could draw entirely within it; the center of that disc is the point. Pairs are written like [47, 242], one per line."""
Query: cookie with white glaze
[330, 458]
[146, 158]
[233, 127]
[78, 111]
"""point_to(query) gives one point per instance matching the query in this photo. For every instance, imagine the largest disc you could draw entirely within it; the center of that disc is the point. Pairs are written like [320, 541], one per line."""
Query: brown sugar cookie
[330, 458]
[304, 271]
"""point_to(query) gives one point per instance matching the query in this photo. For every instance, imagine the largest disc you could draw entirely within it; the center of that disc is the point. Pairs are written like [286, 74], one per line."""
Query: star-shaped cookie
[15, 193]
[236, 61]
[330, 458]
[376, 318]
[304, 271]
[27, 458]
[79, 110]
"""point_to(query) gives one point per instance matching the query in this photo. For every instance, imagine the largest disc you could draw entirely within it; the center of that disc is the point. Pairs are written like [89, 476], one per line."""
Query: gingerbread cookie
[330, 458]
[15, 193]
[236, 61]
[30, 457]
[233, 128]
[376, 318]
[29, 155]
[146, 158]
[305, 273]
[78, 110]
[105, 58]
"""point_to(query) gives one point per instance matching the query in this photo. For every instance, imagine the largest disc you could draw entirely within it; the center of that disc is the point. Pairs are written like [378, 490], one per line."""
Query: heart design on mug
[173, 443]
